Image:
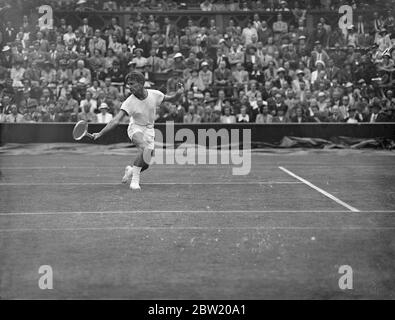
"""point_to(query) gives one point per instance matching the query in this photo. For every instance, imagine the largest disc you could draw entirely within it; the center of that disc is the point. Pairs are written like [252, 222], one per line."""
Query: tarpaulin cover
[125, 148]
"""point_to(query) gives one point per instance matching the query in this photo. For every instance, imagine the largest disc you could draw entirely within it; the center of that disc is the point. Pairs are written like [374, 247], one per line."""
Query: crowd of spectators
[259, 72]
[205, 5]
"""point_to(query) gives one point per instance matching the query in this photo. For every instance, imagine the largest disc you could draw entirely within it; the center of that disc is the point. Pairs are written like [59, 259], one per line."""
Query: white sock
[136, 174]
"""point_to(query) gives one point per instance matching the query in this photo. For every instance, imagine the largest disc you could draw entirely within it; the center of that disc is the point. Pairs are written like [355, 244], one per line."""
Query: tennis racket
[81, 130]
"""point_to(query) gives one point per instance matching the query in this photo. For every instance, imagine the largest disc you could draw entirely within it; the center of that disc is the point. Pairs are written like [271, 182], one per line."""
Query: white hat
[104, 106]
[321, 94]
[349, 85]
[6, 48]
[178, 55]
[204, 63]
[280, 70]
[320, 61]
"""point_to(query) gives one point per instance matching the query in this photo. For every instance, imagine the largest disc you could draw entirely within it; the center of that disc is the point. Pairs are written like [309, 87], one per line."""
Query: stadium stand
[241, 61]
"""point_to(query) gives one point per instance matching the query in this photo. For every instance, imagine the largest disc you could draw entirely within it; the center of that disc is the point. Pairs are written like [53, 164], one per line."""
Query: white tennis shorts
[148, 134]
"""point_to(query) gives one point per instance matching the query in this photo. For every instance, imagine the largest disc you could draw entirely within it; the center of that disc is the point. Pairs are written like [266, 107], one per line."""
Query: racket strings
[80, 130]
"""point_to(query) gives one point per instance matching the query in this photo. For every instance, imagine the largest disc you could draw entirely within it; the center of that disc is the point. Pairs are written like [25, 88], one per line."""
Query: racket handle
[89, 135]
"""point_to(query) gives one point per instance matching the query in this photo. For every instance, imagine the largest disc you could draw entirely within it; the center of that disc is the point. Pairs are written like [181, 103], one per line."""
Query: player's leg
[142, 160]
[135, 133]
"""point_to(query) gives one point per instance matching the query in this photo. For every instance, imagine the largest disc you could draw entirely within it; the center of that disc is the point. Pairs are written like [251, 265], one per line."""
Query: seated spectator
[50, 115]
[205, 76]
[17, 74]
[280, 27]
[174, 113]
[271, 72]
[89, 100]
[167, 63]
[115, 73]
[280, 117]
[319, 74]
[48, 73]
[227, 117]
[194, 81]
[155, 62]
[220, 102]
[171, 85]
[223, 77]
[257, 74]
[277, 104]
[108, 88]
[70, 102]
[86, 114]
[265, 116]
[95, 89]
[241, 78]
[64, 73]
[208, 114]
[104, 116]
[97, 42]
[109, 59]
[178, 63]
[375, 108]
[81, 73]
[243, 116]
[316, 115]
[6, 104]
[353, 116]
[299, 116]
[14, 115]
[191, 116]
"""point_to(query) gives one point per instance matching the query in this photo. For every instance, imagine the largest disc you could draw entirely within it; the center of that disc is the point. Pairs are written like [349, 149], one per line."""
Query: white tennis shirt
[142, 112]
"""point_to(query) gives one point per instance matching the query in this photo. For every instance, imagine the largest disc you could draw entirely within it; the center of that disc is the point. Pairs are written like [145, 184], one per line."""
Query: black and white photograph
[212, 151]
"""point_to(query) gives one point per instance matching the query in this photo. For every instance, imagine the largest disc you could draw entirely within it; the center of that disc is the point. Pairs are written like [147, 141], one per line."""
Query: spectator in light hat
[104, 116]
[319, 73]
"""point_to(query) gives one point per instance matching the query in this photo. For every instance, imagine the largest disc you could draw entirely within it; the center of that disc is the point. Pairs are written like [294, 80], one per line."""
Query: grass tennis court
[197, 232]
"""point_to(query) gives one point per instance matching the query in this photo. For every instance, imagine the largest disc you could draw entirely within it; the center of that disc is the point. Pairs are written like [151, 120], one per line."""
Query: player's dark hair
[135, 76]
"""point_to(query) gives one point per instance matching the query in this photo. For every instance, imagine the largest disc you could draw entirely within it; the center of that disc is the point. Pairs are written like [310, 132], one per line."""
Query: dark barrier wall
[267, 133]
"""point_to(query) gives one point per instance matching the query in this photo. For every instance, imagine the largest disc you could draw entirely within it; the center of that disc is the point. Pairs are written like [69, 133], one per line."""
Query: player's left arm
[177, 96]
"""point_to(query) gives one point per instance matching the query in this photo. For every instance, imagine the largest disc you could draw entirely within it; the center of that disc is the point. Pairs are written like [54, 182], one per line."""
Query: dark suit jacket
[47, 118]
[9, 35]
[333, 74]
[382, 117]
[277, 83]
[294, 119]
[218, 75]
[223, 58]
[173, 29]
[89, 32]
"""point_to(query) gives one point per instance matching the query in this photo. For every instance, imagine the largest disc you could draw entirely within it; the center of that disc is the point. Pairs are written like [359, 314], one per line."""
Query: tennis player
[140, 106]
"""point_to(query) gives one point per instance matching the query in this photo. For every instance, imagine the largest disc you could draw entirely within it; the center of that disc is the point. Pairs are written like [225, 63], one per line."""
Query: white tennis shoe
[134, 185]
[128, 174]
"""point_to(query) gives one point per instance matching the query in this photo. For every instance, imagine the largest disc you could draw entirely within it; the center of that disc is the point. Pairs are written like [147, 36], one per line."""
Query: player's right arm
[111, 125]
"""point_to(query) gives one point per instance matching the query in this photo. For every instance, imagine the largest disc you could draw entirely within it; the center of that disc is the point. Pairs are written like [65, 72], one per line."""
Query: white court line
[187, 166]
[10, 184]
[58, 213]
[327, 194]
[191, 228]
[210, 166]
